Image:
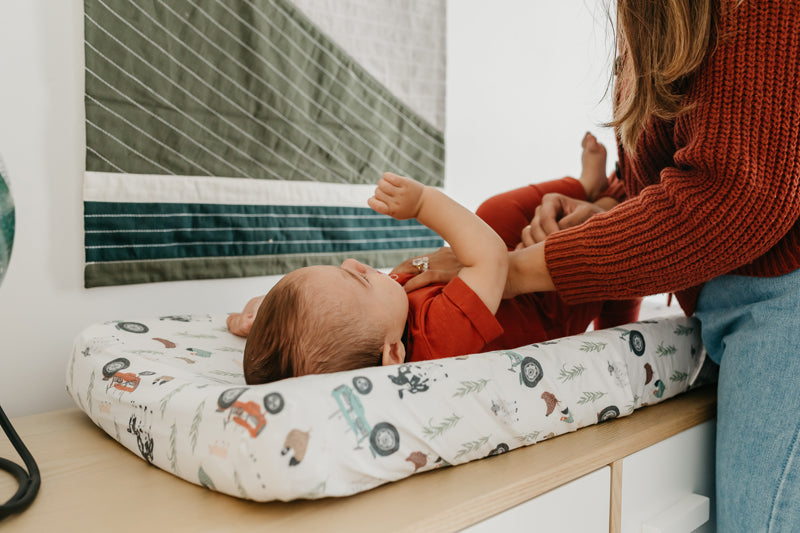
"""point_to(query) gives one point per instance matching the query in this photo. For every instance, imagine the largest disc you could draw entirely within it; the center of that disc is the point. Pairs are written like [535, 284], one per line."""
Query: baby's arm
[474, 243]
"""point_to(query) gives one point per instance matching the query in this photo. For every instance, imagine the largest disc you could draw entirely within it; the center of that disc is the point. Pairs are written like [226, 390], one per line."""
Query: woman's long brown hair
[660, 43]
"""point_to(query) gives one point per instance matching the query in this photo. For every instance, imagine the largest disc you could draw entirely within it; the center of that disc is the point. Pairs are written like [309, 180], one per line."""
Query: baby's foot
[593, 171]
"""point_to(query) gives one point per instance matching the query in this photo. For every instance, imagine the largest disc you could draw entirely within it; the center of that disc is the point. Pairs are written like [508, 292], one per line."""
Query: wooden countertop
[91, 483]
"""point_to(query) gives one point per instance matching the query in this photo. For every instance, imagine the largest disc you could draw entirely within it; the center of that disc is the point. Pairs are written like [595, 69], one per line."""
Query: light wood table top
[91, 483]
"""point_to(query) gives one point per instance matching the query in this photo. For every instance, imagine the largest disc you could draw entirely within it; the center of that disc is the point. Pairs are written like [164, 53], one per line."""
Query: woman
[707, 114]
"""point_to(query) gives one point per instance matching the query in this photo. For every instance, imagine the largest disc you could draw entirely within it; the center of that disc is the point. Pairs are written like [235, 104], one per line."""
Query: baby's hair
[297, 332]
[268, 351]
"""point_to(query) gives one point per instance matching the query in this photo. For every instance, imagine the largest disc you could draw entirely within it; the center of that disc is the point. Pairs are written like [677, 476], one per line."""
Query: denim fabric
[751, 327]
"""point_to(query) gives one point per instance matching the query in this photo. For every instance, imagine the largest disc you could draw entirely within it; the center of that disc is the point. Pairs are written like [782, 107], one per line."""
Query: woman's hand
[557, 212]
[442, 267]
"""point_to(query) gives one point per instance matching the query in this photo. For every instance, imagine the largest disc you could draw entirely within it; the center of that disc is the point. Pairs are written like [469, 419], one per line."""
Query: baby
[322, 319]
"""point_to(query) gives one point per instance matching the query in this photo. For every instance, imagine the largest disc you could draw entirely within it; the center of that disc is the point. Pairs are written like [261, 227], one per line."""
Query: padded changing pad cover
[171, 390]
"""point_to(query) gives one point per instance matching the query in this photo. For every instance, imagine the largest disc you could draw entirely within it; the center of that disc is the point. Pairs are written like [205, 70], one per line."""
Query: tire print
[132, 327]
[609, 413]
[530, 370]
[636, 342]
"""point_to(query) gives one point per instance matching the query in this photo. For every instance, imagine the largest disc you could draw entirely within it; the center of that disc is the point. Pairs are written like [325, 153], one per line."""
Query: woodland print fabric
[171, 390]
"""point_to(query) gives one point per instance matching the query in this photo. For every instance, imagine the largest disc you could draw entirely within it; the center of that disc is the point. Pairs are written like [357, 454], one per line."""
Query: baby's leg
[593, 167]
[507, 213]
[241, 323]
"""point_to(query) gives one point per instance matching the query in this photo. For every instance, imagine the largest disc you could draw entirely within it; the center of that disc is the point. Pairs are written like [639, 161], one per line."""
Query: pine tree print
[529, 437]
[239, 485]
[195, 427]
[470, 387]
[431, 431]
[172, 455]
[471, 446]
[662, 350]
[165, 400]
[678, 376]
[567, 375]
[89, 391]
[590, 397]
[587, 346]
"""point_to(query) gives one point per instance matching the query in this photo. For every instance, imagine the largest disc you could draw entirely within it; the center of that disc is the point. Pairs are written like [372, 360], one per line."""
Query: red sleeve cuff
[484, 322]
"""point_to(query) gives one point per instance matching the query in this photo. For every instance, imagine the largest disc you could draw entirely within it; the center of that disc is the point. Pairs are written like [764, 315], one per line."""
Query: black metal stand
[29, 481]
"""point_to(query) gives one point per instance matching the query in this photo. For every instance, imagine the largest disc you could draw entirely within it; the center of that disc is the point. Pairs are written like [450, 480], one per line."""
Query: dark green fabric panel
[198, 88]
[93, 208]
[119, 231]
[126, 273]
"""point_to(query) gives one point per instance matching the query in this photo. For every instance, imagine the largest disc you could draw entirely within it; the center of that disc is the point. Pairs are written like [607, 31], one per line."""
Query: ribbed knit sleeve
[714, 192]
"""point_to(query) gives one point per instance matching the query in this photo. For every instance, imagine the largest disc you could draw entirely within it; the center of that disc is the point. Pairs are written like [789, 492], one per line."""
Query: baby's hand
[241, 323]
[398, 197]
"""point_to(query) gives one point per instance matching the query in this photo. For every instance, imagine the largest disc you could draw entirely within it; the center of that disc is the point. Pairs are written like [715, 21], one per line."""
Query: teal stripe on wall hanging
[238, 138]
[129, 231]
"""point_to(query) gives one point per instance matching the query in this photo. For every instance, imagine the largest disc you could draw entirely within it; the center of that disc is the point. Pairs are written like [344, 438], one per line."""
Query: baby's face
[355, 284]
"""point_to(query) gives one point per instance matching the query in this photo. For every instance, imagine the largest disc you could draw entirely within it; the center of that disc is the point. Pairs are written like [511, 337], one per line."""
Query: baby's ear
[393, 353]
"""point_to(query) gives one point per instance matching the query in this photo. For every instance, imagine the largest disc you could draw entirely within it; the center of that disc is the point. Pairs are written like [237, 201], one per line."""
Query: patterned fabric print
[172, 391]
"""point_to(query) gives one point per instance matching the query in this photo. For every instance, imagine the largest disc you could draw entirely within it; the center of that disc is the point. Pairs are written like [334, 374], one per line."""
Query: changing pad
[171, 390]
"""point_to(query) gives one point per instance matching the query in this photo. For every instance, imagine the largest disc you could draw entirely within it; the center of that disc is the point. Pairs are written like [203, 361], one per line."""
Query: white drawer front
[580, 505]
[658, 482]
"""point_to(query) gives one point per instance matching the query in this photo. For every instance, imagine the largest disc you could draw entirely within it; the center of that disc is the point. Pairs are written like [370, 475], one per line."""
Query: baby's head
[323, 319]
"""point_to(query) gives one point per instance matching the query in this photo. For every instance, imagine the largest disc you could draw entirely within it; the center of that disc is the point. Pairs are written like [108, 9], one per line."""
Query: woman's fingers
[545, 220]
[442, 266]
[427, 278]
[441, 259]
[405, 267]
[581, 214]
[527, 237]
[555, 213]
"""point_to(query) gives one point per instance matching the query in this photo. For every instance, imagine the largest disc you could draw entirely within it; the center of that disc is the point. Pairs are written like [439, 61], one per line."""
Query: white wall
[525, 81]
[525, 78]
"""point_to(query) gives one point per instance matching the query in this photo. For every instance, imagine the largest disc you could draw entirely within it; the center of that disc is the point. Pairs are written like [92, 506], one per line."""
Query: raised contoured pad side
[171, 390]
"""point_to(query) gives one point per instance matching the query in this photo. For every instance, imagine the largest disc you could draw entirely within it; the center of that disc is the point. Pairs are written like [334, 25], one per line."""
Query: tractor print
[406, 378]
[122, 381]
[199, 352]
[383, 437]
[143, 439]
[248, 415]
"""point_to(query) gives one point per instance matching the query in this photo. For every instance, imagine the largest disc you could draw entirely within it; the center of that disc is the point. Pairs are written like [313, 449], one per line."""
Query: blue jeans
[751, 328]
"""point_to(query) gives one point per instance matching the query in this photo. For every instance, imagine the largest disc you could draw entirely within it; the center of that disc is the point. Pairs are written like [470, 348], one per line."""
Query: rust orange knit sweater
[715, 191]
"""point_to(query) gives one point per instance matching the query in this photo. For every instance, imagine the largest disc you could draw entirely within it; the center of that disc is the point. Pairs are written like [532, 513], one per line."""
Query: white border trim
[134, 188]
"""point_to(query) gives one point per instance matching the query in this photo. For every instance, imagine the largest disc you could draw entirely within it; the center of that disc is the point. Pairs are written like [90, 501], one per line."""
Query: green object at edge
[6, 225]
